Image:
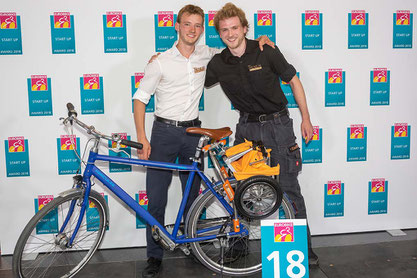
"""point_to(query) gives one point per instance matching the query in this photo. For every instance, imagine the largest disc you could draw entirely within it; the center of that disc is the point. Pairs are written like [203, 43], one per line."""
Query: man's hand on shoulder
[265, 40]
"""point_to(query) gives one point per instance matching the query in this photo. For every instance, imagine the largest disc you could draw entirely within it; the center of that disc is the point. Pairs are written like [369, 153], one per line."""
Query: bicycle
[215, 228]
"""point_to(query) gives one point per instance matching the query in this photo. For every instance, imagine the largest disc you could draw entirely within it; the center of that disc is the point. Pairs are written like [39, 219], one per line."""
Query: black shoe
[152, 270]
[313, 259]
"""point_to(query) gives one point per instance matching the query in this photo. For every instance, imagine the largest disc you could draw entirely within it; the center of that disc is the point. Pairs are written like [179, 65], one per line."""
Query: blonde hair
[230, 10]
[190, 9]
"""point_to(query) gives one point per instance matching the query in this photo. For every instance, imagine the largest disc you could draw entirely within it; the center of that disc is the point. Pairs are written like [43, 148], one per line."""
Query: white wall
[17, 194]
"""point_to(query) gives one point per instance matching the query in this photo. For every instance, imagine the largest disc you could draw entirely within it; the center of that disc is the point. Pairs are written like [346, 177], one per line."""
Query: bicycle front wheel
[234, 256]
[43, 251]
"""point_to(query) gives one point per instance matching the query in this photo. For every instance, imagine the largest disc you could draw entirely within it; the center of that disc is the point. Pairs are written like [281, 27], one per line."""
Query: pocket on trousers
[294, 159]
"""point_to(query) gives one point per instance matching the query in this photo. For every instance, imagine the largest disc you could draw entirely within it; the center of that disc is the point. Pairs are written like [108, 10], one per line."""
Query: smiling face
[189, 28]
[233, 33]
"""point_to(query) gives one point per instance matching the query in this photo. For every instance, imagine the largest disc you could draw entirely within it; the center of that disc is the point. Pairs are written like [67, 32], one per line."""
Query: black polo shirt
[251, 81]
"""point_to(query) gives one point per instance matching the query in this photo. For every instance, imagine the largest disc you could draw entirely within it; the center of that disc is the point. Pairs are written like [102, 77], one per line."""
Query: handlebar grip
[132, 144]
[71, 110]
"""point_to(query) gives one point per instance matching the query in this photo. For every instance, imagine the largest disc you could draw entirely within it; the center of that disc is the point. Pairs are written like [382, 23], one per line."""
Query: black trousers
[278, 135]
[167, 143]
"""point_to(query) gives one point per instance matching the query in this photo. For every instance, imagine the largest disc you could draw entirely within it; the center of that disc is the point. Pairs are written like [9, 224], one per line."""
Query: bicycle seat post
[200, 145]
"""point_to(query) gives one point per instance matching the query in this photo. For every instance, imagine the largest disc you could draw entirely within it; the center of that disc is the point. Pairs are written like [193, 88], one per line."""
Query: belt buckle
[262, 118]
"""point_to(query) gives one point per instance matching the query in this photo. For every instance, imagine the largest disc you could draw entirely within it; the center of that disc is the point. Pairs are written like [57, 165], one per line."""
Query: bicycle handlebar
[72, 116]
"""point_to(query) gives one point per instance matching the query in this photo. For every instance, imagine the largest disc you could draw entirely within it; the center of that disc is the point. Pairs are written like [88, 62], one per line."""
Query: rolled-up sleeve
[149, 82]
[279, 65]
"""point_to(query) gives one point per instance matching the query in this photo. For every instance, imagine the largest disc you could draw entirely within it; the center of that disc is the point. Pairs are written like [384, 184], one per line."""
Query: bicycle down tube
[92, 170]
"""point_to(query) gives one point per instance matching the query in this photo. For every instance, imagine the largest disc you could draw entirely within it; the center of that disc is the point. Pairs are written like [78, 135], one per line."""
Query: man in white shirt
[177, 79]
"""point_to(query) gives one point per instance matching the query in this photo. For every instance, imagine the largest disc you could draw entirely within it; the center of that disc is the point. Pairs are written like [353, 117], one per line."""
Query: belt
[265, 117]
[195, 122]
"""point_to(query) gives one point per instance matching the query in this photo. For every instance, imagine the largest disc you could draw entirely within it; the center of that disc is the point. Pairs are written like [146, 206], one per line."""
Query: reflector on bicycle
[253, 162]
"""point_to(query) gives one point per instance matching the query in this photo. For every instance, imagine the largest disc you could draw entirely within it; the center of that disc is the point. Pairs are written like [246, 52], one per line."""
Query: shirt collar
[228, 57]
[176, 52]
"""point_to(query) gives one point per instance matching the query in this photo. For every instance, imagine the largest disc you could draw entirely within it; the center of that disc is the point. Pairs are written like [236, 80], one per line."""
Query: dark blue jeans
[278, 135]
[167, 143]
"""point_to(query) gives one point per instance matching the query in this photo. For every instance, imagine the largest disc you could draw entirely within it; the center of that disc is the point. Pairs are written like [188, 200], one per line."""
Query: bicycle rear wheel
[42, 251]
[241, 254]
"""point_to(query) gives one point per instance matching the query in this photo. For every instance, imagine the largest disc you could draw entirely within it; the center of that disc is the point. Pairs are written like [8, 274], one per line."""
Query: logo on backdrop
[358, 30]
[8, 20]
[39, 95]
[402, 29]
[377, 196]
[135, 82]
[92, 215]
[313, 151]
[286, 89]
[142, 199]
[380, 86]
[356, 143]
[334, 199]
[335, 87]
[212, 37]
[284, 232]
[62, 20]
[91, 87]
[400, 141]
[265, 24]
[115, 36]
[62, 33]
[16, 150]
[165, 34]
[124, 151]
[10, 34]
[68, 161]
[49, 223]
[312, 30]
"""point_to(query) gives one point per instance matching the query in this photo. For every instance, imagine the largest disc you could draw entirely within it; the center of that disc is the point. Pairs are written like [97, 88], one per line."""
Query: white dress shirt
[177, 82]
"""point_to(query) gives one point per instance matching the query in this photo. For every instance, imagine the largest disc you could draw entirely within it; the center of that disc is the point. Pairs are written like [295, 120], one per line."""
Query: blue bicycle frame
[92, 170]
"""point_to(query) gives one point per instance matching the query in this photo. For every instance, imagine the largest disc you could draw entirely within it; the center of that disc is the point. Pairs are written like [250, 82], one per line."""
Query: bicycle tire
[258, 197]
[236, 262]
[286, 210]
[58, 260]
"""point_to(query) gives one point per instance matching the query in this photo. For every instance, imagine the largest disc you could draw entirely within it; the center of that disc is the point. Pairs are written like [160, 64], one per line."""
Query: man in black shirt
[250, 79]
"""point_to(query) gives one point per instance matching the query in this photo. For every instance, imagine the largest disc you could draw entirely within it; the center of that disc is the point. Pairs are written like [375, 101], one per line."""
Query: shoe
[313, 259]
[152, 269]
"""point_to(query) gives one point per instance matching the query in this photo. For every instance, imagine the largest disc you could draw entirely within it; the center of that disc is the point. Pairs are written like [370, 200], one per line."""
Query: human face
[233, 33]
[189, 29]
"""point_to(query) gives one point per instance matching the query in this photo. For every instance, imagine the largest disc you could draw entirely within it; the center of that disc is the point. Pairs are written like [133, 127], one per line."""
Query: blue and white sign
[115, 38]
[334, 194]
[400, 141]
[312, 30]
[16, 150]
[165, 34]
[335, 87]
[62, 33]
[49, 223]
[358, 25]
[92, 100]
[380, 86]
[265, 24]
[39, 95]
[313, 151]
[402, 29]
[10, 34]
[212, 37]
[377, 196]
[142, 199]
[356, 143]
[68, 161]
[284, 248]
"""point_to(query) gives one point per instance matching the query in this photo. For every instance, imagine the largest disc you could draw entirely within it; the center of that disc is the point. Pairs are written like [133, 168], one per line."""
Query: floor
[376, 254]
